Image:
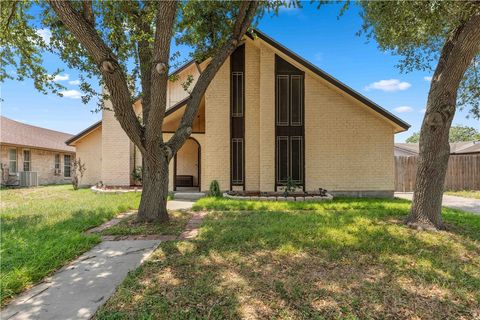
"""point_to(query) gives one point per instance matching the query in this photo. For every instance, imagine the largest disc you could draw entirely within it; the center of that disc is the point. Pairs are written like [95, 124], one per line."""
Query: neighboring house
[26, 148]
[412, 149]
[267, 116]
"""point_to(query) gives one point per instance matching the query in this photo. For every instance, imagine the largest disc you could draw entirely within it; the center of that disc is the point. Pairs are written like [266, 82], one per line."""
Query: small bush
[137, 174]
[215, 189]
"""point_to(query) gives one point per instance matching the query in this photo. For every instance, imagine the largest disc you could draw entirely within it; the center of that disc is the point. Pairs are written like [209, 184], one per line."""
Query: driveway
[465, 204]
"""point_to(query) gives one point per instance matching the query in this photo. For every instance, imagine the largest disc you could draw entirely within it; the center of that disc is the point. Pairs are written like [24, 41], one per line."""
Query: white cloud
[74, 82]
[427, 78]
[423, 110]
[60, 77]
[46, 34]
[318, 56]
[403, 109]
[71, 94]
[389, 85]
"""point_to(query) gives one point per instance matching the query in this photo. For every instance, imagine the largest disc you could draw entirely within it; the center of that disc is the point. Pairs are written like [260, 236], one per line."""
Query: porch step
[182, 195]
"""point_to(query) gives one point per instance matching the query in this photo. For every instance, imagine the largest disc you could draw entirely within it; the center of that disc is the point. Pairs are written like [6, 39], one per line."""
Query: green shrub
[215, 189]
[137, 174]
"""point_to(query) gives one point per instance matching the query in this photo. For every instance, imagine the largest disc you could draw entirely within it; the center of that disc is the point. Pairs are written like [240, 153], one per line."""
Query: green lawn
[346, 259]
[475, 194]
[42, 230]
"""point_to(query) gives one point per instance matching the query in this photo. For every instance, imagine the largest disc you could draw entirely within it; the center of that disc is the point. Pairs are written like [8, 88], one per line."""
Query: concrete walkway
[77, 290]
[465, 204]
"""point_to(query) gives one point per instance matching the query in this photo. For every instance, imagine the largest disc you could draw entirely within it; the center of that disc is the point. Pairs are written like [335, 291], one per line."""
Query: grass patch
[176, 225]
[474, 194]
[42, 230]
[346, 259]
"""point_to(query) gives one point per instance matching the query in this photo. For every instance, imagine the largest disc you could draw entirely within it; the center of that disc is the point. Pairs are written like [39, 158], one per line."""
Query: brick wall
[347, 146]
[116, 148]
[42, 162]
[217, 130]
[267, 119]
[89, 150]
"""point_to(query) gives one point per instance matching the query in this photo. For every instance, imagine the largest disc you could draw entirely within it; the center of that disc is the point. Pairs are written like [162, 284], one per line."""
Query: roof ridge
[38, 127]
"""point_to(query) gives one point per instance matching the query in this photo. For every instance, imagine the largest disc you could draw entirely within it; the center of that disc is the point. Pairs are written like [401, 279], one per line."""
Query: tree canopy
[458, 133]
[32, 28]
[416, 31]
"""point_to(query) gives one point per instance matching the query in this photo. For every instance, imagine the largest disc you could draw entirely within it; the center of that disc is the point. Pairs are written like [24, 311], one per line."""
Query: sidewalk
[77, 290]
[465, 204]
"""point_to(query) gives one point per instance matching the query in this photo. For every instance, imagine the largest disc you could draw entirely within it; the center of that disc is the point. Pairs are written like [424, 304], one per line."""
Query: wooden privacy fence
[463, 172]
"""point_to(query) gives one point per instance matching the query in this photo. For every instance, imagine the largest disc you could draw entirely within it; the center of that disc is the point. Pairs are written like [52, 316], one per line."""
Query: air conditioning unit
[28, 179]
[58, 171]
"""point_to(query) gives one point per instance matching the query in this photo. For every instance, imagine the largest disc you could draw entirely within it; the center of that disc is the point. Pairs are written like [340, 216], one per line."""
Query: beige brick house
[267, 117]
[29, 151]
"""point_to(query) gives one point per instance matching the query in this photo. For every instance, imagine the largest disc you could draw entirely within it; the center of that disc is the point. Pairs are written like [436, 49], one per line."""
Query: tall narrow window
[289, 128]
[282, 100]
[26, 160]
[66, 165]
[12, 160]
[57, 161]
[237, 161]
[296, 103]
[237, 94]
[237, 117]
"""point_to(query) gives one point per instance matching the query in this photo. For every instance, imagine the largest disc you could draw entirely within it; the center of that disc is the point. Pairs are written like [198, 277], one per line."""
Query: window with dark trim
[237, 117]
[282, 100]
[67, 159]
[26, 160]
[289, 124]
[237, 161]
[296, 100]
[237, 94]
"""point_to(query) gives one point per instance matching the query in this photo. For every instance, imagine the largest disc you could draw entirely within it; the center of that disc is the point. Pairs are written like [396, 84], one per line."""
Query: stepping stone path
[77, 290]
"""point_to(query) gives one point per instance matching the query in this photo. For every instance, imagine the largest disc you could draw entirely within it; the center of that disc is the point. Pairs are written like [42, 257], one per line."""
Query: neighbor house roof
[335, 82]
[466, 147]
[20, 134]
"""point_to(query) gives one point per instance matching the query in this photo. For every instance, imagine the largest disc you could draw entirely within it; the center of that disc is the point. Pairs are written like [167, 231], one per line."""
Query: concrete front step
[188, 195]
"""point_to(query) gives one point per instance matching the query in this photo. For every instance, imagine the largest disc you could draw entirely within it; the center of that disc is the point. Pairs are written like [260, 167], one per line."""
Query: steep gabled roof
[16, 133]
[335, 82]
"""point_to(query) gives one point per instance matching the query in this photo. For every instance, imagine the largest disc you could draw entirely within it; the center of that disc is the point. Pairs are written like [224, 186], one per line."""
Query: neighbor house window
[26, 160]
[57, 164]
[12, 160]
[66, 165]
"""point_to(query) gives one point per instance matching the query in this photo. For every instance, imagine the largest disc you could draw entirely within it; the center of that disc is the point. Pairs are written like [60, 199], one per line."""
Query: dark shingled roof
[16, 133]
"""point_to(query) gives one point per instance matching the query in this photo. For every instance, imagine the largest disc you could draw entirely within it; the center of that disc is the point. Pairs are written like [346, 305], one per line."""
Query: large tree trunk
[153, 204]
[457, 54]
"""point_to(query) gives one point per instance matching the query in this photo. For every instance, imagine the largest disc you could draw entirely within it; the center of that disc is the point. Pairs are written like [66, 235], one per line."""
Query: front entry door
[289, 124]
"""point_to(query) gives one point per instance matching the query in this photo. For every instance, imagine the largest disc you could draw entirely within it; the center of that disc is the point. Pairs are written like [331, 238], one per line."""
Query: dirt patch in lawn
[129, 226]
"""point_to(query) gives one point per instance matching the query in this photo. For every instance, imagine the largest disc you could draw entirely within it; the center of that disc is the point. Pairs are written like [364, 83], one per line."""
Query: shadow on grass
[350, 259]
[33, 246]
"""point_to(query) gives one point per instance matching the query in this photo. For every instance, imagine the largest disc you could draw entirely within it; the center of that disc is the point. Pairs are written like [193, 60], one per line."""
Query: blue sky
[316, 35]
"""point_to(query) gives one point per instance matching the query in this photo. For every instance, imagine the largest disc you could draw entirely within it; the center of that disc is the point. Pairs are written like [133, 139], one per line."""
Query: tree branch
[88, 12]
[165, 20]
[244, 18]
[110, 69]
